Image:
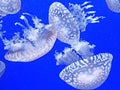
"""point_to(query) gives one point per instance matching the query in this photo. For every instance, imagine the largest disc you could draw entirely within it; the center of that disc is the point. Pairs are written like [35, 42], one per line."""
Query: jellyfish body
[36, 41]
[114, 5]
[2, 68]
[9, 7]
[84, 70]
[70, 22]
[64, 23]
[87, 74]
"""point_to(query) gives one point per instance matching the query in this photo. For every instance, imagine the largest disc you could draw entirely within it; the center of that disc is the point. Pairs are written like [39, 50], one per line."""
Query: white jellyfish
[2, 68]
[35, 42]
[9, 7]
[84, 70]
[70, 22]
[114, 5]
[88, 74]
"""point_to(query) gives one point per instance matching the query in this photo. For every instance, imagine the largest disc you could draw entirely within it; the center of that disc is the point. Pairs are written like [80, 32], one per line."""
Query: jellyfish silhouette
[36, 41]
[114, 5]
[9, 7]
[2, 68]
[70, 22]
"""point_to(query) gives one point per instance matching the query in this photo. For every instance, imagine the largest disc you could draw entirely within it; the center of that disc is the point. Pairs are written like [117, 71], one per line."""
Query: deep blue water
[43, 74]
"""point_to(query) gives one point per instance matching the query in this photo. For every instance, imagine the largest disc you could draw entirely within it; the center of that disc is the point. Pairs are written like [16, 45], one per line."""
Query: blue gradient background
[43, 74]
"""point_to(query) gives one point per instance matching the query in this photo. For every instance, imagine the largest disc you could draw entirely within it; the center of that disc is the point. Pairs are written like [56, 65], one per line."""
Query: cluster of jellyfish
[7, 7]
[84, 69]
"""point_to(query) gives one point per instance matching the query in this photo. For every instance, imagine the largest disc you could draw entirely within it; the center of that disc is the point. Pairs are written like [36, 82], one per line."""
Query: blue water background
[43, 74]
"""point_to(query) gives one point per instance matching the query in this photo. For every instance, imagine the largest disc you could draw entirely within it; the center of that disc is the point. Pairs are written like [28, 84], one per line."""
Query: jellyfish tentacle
[82, 16]
[69, 56]
[79, 50]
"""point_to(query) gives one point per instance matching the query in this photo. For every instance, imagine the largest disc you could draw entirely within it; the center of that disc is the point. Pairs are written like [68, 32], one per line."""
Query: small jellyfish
[9, 7]
[114, 5]
[2, 68]
[34, 43]
[88, 74]
[84, 70]
[70, 22]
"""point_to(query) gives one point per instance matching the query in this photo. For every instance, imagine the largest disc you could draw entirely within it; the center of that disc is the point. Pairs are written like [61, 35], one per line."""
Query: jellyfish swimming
[113, 5]
[88, 74]
[9, 7]
[2, 68]
[70, 22]
[35, 42]
[84, 70]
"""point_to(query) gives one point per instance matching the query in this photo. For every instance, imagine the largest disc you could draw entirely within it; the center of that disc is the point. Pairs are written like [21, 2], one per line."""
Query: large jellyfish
[87, 74]
[9, 7]
[2, 68]
[83, 70]
[34, 43]
[114, 5]
[70, 22]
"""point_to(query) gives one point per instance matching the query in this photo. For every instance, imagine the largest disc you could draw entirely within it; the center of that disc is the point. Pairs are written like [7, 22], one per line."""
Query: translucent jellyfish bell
[36, 41]
[70, 22]
[88, 73]
[2, 68]
[84, 70]
[114, 5]
[9, 7]
[63, 22]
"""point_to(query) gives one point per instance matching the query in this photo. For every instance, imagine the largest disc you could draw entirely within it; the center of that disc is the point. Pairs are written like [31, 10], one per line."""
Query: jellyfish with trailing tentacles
[70, 22]
[9, 7]
[87, 73]
[2, 68]
[113, 5]
[35, 42]
[83, 70]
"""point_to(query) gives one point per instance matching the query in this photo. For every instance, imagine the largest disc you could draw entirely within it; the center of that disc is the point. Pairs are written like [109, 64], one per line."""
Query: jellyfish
[88, 74]
[70, 22]
[35, 42]
[9, 7]
[84, 70]
[114, 5]
[2, 68]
